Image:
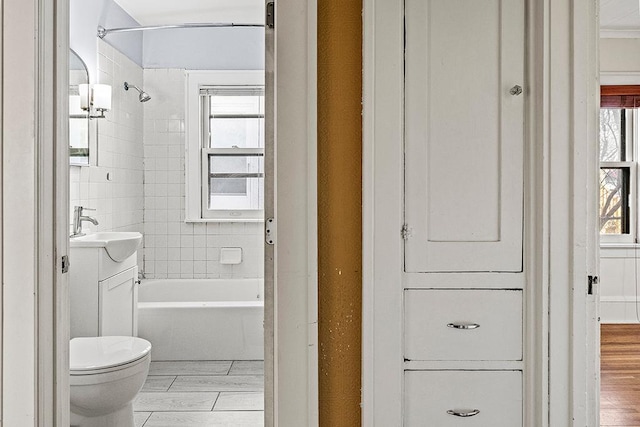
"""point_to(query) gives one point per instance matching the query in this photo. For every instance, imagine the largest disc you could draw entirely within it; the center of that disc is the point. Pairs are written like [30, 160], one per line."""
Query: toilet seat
[96, 355]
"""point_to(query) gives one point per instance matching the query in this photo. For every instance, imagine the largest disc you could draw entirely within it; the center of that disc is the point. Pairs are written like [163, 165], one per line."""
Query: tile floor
[202, 394]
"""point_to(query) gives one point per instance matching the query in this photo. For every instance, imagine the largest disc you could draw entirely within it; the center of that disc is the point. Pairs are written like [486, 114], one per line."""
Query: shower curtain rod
[103, 32]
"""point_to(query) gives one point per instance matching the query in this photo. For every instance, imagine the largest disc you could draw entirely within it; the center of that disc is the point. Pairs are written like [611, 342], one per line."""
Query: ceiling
[619, 14]
[161, 12]
[614, 14]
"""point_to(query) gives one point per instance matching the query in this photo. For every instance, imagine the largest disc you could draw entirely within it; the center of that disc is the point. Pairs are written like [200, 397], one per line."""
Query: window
[225, 149]
[618, 160]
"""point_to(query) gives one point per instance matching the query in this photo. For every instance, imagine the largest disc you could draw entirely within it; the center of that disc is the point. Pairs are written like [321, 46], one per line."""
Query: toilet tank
[103, 293]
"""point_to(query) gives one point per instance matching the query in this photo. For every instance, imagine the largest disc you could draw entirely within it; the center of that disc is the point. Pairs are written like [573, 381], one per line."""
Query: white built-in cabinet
[465, 94]
[464, 116]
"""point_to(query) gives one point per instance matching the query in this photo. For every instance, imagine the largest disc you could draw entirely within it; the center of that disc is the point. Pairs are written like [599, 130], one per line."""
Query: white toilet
[106, 375]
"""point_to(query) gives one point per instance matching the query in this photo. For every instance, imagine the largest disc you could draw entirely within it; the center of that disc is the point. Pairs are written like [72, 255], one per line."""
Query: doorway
[620, 321]
[293, 336]
[179, 158]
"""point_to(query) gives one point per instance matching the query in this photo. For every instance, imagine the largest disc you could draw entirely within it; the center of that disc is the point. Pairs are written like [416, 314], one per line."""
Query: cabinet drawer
[435, 322]
[491, 398]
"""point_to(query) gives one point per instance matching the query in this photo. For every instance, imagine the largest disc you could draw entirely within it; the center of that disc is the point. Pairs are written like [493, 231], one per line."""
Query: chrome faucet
[78, 218]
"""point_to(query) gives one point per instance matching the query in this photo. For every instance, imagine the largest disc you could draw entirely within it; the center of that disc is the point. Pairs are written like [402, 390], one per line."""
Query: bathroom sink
[119, 245]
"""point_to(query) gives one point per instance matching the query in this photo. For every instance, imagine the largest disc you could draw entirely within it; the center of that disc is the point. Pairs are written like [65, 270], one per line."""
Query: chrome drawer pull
[463, 325]
[464, 414]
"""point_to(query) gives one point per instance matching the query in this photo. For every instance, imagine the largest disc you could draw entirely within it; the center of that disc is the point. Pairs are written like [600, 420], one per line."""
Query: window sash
[253, 196]
[236, 204]
[207, 115]
[626, 149]
[631, 210]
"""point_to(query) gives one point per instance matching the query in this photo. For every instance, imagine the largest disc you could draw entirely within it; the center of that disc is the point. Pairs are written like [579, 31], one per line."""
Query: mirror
[78, 119]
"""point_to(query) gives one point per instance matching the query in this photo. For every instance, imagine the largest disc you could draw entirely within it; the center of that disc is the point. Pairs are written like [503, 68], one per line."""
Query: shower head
[142, 97]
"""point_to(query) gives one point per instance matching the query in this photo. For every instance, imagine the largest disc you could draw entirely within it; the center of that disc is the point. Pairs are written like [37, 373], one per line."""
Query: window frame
[630, 162]
[196, 170]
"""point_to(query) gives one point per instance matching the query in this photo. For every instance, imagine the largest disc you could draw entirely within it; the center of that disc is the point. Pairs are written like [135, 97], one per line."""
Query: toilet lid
[91, 353]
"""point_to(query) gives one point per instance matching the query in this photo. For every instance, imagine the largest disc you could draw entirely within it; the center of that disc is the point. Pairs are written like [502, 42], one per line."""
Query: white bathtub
[202, 319]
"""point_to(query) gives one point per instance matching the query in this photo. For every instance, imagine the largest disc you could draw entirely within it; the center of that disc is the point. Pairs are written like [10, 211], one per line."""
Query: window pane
[236, 182]
[612, 135]
[229, 186]
[236, 121]
[237, 104]
[614, 200]
[237, 132]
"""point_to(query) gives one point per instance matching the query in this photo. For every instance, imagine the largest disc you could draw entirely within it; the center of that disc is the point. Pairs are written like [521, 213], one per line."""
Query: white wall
[620, 284]
[85, 16]
[621, 55]
[195, 49]
[173, 248]
[619, 267]
[205, 49]
[119, 200]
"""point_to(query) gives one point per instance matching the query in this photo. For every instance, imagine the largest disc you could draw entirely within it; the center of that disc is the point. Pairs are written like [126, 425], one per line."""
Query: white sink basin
[119, 245]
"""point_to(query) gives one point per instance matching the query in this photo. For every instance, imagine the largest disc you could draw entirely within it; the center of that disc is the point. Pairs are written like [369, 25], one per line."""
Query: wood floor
[620, 375]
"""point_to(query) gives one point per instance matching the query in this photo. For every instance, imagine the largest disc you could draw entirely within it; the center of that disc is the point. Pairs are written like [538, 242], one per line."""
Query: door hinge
[65, 264]
[270, 231]
[406, 231]
[271, 15]
[591, 282]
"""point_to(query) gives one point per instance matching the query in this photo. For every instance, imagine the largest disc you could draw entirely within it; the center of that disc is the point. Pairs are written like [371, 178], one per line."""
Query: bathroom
[136, 167]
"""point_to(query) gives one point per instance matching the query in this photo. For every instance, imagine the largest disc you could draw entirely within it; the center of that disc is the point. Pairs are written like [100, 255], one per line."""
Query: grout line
[215, 401]
[148, 417]
[174, 380]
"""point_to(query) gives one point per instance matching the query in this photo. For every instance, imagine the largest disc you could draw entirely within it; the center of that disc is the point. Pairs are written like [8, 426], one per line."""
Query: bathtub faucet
[78, 218]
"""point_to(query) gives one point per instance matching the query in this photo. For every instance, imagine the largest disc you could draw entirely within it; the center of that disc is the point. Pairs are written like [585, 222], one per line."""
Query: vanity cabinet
[104, 293]
[117, 304]
[464, 100]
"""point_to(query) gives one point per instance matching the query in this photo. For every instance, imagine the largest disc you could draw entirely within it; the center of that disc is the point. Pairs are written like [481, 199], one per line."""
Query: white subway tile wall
[119, 199]
[172, 248]
[141, 147]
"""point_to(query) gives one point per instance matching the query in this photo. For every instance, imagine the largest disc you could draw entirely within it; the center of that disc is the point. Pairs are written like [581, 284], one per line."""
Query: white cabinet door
[443, 398]
[464, 135]
[117, 301]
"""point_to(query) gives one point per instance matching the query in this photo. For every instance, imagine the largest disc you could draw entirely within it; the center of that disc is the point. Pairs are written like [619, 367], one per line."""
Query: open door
[269, 217]
[290, 215]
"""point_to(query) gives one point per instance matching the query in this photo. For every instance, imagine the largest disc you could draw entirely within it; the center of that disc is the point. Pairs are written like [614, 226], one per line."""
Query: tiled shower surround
[114, 186]
[142, 148]
[173, 248]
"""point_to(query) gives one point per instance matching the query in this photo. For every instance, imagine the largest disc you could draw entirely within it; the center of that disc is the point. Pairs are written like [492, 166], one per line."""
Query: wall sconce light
[96, 97]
